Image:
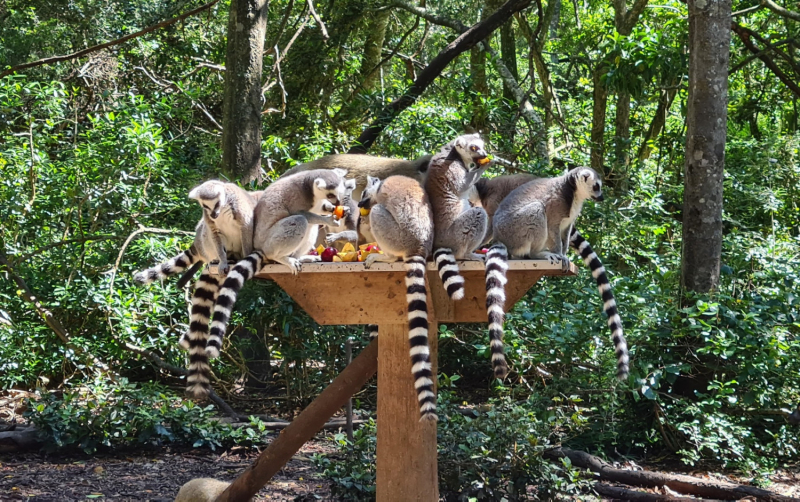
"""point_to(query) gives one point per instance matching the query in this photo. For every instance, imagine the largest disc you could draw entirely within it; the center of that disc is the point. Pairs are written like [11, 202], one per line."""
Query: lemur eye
[596, 187]
[331, 196]
[473, 148]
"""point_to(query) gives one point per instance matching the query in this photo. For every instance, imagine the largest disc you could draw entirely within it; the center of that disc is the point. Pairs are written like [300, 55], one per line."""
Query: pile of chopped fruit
[348, 252]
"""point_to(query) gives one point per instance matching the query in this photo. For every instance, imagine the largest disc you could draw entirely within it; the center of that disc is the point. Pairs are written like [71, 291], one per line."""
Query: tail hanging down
[242, 272]
[609, 304]
[448, 270]
[417, 297]
[198, 382]
[173, 266]
[496, 267]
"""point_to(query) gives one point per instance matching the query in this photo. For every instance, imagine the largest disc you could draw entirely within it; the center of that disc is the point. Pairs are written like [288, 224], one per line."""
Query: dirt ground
[149, 476]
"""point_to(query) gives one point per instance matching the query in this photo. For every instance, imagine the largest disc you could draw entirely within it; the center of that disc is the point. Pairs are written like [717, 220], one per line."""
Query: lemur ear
[461, 142]
[320, 183]
[195, 193]
[350, 184]
[372, 181]
[340, 172]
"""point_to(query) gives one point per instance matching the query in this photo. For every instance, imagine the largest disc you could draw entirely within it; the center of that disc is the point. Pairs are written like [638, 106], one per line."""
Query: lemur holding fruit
[402, 222]
[489, 193]
[460, 229]
[537, 220]
[284, 217]
[350, 233]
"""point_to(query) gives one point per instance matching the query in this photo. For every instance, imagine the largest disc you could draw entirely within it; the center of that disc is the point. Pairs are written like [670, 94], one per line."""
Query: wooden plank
[346, 293]
[407, 464]
[305, 426]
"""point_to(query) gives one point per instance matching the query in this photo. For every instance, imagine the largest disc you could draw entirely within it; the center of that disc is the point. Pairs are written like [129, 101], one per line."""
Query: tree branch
[744, 35]
[83, 52]
[777, 9]
[757, 55]
[18, 259]
[464, 42]
[318, 20]
[51, 320]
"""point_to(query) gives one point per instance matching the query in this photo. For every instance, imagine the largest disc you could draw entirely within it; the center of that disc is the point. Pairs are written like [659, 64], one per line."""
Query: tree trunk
[598, 119]
[477, 68]
[622, 133]
[659, 120]
[706, 122]
[373, 45]
[508, 53]
[241, 109]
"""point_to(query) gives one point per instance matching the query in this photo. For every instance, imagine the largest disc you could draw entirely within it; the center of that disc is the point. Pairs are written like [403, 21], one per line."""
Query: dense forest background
[98, 153]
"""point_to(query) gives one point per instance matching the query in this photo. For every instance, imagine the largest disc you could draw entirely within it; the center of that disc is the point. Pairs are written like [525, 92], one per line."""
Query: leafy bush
[125, 414]
[489, 455]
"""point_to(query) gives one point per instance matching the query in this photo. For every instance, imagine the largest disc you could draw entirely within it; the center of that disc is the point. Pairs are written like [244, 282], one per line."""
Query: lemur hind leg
[284, 238]
[471, 226]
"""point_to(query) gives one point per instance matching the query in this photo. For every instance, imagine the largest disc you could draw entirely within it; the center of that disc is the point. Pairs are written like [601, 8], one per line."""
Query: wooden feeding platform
[347, 293]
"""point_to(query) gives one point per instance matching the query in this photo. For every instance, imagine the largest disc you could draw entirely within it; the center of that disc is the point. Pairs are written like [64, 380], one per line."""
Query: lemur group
[437, 207]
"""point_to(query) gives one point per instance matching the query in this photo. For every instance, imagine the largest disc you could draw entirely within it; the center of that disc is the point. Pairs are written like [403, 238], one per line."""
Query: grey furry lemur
[460, 229]
[287, 213]
[536, 220]
[401, 221]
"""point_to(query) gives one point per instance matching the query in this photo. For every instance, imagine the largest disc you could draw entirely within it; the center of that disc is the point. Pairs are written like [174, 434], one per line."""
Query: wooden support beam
[407, 467]
[305, 426]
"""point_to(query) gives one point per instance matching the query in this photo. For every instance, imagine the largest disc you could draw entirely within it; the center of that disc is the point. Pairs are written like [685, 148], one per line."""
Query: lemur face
[211, 196]
[590, 184]
[471, 148]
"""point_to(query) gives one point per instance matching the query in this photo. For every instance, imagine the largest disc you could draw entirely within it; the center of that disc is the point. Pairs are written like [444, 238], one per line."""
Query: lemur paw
[475, 257]
[371, 258]
[294, 265]
[309, 258]
[330, 239]
[328, 207]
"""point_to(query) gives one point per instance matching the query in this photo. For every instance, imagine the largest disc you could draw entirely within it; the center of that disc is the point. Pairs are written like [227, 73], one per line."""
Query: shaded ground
[149, 476]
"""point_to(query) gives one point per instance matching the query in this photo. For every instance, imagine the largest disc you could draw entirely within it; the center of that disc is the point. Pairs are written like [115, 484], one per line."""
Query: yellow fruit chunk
[320, 249]
[484, 160]
[350, 256]
[364, 211]
[348, 248]
[338, 212]
[337, 258]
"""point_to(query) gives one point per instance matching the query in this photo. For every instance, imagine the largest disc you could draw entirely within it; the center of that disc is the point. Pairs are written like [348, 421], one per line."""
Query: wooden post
[303, 428]
[407, 467]
[348, 411]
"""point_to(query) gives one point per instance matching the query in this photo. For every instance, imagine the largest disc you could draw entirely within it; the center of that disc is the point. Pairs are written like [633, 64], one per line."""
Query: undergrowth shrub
[124, 414]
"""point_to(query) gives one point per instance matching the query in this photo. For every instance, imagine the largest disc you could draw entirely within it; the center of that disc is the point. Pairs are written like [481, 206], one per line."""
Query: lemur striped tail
[609, 304]
[198, 382]
[242, 272]
[172, 266]
[496, 267]
[448, 270]
[417, 297]
[372, 329]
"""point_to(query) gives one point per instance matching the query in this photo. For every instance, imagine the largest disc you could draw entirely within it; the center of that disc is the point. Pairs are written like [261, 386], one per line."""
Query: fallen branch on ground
[620, 493]
[677, 482]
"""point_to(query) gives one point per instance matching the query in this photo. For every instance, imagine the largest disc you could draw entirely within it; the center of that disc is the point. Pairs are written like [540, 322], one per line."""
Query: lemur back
[459, 229]
[360, 166]
[225, 228]
[536, 221]
[283, 217]
[401, 221]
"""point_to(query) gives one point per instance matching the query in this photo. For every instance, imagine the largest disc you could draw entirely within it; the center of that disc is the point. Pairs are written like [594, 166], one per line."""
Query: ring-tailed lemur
[284, 216]
[536, 221]
[350, 233]
[459, 229]
[360, 166]
[401, 221]
[201, 490]
[490, 192]
[226, 228]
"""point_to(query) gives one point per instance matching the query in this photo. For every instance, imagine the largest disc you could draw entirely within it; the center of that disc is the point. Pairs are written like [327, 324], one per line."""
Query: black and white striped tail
[417, 297]
[372, 330]
[242, 272]
[173, 266]
[609, 304]
[496, 267]
[198, 382]
[448, 270]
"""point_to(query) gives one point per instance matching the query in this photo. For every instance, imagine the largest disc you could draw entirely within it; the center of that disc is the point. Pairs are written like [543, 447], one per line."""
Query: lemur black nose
[363, 203]
[599, 198]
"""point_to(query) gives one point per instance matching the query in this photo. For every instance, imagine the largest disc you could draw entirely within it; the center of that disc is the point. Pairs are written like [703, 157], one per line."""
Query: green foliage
[124, 415]
[488, 455]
